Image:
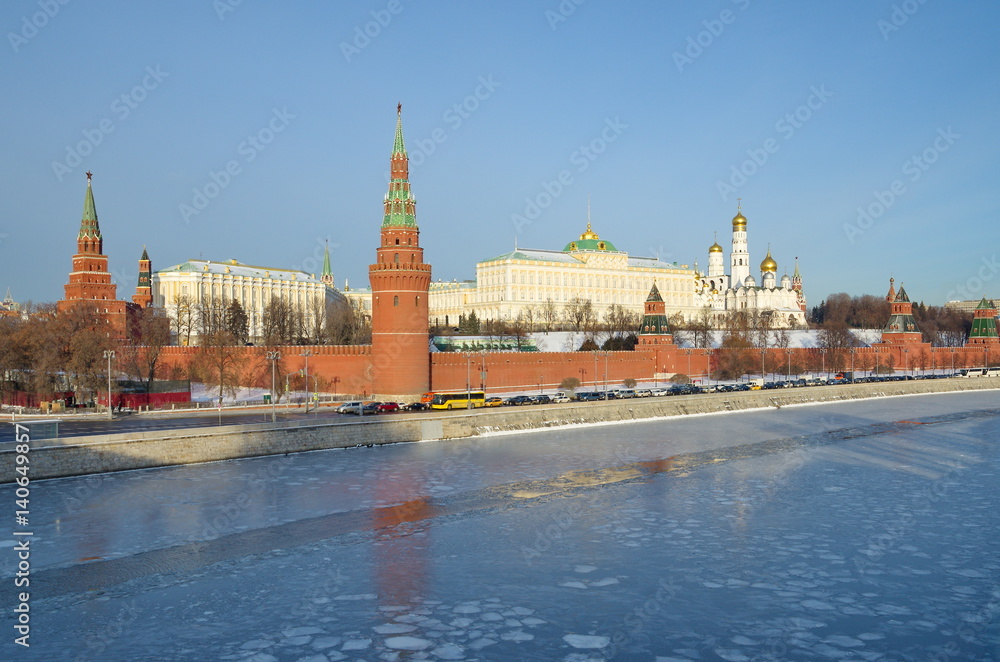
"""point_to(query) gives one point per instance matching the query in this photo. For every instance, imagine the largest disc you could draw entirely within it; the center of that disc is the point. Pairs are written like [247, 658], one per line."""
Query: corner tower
[90, 282]
[901, 328]
[984, 324]
[400, 283]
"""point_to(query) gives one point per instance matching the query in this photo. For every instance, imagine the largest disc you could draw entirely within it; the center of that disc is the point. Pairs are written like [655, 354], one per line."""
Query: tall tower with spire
[90, 281]
[326, 277]
[400, 282]
[143, 296]
[739, 258]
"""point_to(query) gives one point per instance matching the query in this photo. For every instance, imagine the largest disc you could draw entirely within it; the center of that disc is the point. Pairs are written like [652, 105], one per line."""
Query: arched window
[397, 241]
[395, 300]
[416, 300]
[395, 258]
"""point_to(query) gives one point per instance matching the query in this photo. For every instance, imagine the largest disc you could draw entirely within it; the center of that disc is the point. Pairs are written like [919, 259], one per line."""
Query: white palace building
[592, 268]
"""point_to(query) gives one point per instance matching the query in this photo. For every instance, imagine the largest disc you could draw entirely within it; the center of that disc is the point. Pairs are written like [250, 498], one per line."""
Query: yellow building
[195, 286]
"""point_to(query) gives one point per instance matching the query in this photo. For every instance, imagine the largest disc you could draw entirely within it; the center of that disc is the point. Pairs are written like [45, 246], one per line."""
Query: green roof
[88, 224]
[590, 245]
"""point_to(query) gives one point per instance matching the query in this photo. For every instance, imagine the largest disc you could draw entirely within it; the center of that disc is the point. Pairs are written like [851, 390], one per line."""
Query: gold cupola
[769, 265]
[739, 221]
[715, 248]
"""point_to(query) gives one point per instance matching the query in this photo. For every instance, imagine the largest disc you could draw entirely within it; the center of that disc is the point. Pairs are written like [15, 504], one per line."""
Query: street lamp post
[788, 374]
[986, 353]
[762, 353]
[307, 353]
[708, 364]
[952, 360]
[906, 360]
[688, 352]
[273, 358]
[483, 374]
[468, 380]
[822, 356]
[852, 350]
[606, 355]
[109, 354]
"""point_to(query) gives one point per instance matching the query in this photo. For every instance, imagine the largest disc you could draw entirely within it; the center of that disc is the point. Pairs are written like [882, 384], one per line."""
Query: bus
[458, 400]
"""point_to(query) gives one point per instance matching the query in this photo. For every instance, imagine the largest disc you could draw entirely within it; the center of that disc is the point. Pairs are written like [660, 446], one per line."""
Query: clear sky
[652, 108]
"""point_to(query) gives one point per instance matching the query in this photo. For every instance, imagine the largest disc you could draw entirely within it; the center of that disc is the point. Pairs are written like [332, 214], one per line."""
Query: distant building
[968, 306]
[9, 307]
[191, 287]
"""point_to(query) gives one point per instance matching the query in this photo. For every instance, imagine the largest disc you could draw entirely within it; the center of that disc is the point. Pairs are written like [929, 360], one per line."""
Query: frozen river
[853, 531]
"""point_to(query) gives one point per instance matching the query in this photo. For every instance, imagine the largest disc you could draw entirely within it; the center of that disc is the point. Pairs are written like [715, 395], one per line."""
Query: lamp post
[986, 353]
[762, 353]
[708, 364]
[539, 384]
[468, 380]
[906, 360]
[483, 373]
[788, 374]
[952, 360]
[688, 352]
[109, 354]
[287, 375]
[606, 355]
[307, 353]
[273, 358]
[595, 369]
[822, 356]
[933, 360]
[852, 350]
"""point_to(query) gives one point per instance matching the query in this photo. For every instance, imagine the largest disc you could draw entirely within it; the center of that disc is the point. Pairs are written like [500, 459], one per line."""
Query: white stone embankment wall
[120, 452]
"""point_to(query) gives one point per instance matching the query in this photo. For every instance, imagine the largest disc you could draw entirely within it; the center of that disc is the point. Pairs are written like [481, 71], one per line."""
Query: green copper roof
[399, 147]
[88, 224]
[145, 255]
[590, 245]
[986, 304]
[400, 205]
[983, 327]
[326, 263]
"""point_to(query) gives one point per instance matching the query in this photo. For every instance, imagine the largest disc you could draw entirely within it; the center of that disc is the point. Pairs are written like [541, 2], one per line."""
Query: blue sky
[652, 108]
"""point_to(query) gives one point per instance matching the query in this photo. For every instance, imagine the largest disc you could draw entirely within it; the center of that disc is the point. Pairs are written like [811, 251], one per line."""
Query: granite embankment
[119, 452]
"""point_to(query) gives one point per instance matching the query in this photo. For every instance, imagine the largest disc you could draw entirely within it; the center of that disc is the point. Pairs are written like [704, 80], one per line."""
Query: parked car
[350, 407]
[559, 398]
[518, 400]
[587, 396]
[385, 407]
[493, 402]
[624, 394]
[370, 408]
[540, 399]
[643, 393]
[657, 392]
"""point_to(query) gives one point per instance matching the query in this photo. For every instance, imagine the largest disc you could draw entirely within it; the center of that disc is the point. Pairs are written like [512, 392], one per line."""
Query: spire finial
[588, 212]
[89, 175]
[399, 108]
[739, 204]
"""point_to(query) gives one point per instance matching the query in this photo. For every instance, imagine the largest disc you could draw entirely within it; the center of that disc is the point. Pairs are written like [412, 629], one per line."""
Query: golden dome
[769, 265]
[715, 248]
[739, 221]
[589, 234]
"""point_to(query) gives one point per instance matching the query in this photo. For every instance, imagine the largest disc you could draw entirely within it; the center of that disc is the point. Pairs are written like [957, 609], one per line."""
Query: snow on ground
[569, 341]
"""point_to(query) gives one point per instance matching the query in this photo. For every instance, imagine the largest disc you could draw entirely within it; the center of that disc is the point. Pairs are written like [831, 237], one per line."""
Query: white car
[350, 408]
[657, 392]
[560, 398]
[643, 393]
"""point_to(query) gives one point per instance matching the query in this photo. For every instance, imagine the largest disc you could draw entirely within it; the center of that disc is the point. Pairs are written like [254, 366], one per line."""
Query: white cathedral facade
[722, 293]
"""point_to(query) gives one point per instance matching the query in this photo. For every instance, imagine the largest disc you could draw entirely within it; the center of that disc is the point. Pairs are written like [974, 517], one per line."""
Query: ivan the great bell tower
[400, 283]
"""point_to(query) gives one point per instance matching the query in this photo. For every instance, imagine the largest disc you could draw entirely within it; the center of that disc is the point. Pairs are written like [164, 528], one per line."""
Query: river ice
[851, 531]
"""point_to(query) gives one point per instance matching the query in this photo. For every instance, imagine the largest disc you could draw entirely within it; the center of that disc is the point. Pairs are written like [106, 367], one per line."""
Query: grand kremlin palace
[592, 268]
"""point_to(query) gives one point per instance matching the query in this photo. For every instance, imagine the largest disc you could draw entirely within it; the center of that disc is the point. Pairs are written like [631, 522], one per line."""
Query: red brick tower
[90, 282]
[400, 282]
[984, 324]
[143, 290]
[901, 329]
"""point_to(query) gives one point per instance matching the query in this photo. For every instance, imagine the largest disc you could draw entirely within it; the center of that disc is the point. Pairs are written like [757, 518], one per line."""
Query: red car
[387, 407]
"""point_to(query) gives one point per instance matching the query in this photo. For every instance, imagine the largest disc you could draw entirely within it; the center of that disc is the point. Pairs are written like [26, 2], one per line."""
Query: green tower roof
[984, 327]
[326, 263]
[400, 205]
[88, 224]
[398, 146]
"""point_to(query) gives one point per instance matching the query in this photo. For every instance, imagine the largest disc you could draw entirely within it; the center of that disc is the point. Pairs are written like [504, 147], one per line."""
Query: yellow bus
[458, 400]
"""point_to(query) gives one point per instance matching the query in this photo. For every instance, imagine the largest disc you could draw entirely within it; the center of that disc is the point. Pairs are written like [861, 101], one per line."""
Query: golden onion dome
[589, 234]
[769, 265]
[715, 248]
[739, 221]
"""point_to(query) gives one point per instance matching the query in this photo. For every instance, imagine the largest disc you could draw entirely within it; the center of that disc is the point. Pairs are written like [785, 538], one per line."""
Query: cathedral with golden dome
[782, 300]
